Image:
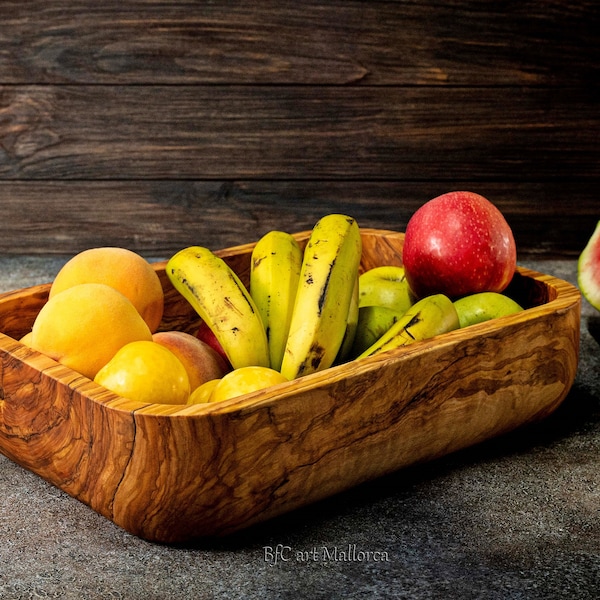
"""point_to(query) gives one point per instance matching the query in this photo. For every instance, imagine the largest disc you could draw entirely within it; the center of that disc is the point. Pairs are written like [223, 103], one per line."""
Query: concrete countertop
[515, 517]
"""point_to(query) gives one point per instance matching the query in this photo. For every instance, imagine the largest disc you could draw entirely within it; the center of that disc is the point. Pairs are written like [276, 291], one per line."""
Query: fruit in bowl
[385, 286]
[146, 371]
[484, 306]
[457, 244]
[121, 269]
[244, 381]
[355, 423]
[83, 326]
[201, 362]
[206, 335]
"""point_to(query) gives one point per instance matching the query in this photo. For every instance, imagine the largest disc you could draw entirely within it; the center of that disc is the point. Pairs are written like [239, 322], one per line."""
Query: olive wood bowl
[174, 473]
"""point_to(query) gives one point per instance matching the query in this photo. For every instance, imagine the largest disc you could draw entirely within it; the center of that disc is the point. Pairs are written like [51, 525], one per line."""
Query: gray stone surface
[517, 517]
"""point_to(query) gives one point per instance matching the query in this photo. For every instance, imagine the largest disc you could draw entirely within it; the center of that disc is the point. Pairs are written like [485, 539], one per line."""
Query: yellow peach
[26, 339]
[245, 380]
[146, 372]
[122, 269]
[85, 325]
[203, 393]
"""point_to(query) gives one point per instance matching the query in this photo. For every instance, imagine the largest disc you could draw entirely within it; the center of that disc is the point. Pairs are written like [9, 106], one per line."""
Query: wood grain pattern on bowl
[173, 473]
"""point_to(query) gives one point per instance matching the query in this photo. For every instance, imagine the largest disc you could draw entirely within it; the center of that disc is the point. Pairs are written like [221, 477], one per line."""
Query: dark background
[157, 125]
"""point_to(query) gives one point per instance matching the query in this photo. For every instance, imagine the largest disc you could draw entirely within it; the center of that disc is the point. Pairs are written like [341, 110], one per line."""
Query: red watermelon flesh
[588, 269]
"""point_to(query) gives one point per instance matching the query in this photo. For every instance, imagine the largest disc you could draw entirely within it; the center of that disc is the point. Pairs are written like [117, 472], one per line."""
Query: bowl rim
[562, 296]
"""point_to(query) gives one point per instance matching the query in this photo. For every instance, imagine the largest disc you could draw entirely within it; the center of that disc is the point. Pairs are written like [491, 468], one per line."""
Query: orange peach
[85, 325]
[201, 362]
[122, 269]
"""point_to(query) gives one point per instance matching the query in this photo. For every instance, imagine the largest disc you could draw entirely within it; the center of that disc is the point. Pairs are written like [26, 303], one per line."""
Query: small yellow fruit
[203, 392]
[26, 339]
[122, 269]
[245, 380]
[146, 372]
[84, 326]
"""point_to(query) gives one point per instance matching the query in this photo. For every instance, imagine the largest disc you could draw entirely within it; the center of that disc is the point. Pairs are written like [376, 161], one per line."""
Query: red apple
[457, 244]
[206, 335]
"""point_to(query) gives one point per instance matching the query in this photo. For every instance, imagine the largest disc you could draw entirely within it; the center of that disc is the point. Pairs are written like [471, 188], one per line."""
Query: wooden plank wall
[156, 125]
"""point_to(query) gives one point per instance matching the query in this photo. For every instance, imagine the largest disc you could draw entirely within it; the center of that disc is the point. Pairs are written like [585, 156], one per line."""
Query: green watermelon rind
[588, 269]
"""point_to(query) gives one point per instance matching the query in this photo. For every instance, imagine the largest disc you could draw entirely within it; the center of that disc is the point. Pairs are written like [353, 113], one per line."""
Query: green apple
[373, 322]
[484, 306]
[385, 286]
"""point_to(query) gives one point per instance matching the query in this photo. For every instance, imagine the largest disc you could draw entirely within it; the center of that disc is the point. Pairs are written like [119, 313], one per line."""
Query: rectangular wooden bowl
[173, 473]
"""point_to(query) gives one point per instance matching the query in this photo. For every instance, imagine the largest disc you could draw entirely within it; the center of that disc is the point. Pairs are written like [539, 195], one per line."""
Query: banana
[429, 316]
[325, 292]
[216, 293]
[274, 275]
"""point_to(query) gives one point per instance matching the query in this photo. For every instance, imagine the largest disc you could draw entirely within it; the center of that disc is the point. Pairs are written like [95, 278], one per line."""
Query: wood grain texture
[196, 132]
[170, 474]
[316, 43]
[144, 124]
[158, 218]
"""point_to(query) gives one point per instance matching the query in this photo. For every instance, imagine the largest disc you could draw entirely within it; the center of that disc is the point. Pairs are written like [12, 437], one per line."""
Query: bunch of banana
[322, 316]
[216, 293]
[430, 316]
[274, 275]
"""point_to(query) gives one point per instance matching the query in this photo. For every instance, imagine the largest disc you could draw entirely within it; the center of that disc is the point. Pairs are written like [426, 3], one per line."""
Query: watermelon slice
[588, 269]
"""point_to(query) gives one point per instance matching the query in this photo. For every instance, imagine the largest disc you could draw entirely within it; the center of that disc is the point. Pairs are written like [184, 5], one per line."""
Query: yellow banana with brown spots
[217, 294]
[324, 297]
[274, 275]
